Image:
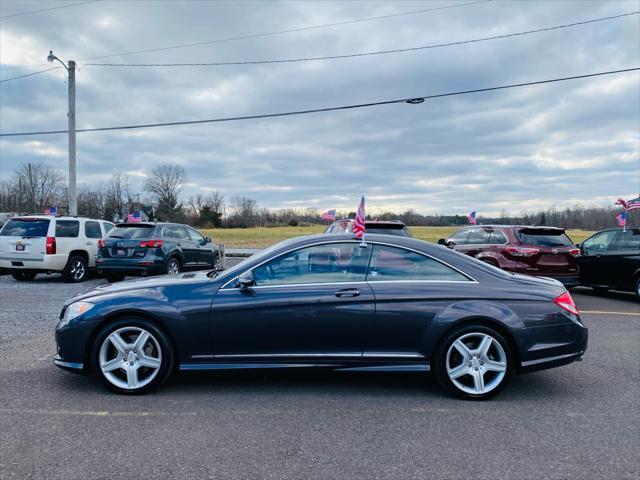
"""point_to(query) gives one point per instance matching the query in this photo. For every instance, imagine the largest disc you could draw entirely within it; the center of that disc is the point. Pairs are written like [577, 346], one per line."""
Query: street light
[71, 83]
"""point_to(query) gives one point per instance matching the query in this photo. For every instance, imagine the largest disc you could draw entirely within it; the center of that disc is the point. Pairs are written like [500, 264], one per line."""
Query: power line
[48, 9]
[29, 74]
[290, 30]
[366, 54]
[242, 37]
[411, 100]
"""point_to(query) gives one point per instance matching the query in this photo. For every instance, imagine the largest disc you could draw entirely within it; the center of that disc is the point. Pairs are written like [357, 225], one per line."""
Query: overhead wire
[366, 54]
[29, 12]
[410, 100]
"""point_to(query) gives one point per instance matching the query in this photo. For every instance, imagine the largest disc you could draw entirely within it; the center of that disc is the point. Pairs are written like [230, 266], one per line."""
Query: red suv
[540, 251]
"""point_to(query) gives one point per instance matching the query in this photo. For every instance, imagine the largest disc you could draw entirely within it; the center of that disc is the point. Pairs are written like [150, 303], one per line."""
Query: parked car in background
[538, 251]
[397, 304]
[610, 259]
[43, 244]
[385, 227]
[145, 248]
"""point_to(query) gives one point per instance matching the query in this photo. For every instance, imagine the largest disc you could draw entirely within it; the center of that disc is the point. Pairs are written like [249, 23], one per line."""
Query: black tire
[75, 271]
[131, 324]
[171, 263]
[638, 288]
[440, 362]
[23, 275]
[215, 261]
[113, 277]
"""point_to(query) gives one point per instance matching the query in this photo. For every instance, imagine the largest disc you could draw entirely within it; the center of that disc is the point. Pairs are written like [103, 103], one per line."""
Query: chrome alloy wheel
[77, 270]
[476, 363]
[130, 357]
[173, 267]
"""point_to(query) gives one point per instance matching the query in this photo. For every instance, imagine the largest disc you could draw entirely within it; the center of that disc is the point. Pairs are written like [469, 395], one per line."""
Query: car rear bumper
[552, 346]
[131, 266]
[43, 263]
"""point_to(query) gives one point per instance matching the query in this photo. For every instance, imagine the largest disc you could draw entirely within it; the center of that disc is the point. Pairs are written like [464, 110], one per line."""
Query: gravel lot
[579, 421]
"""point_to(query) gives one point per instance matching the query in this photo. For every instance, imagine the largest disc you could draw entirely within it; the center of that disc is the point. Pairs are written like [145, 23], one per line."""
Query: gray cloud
[519, 149]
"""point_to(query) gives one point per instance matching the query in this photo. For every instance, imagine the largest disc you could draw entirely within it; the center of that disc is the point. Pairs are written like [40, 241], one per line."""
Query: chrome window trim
[329, 242]
[290, 355]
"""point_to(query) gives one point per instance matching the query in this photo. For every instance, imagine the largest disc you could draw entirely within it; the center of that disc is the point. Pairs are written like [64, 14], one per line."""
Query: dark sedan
[610, 259]
[397, 304]
[152, 249]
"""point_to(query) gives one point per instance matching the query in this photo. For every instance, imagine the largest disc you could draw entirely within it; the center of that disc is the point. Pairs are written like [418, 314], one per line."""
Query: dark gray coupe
[394, 304]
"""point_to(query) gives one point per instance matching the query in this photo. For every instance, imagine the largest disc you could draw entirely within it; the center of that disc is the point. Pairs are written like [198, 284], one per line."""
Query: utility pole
[73, 192]
[71, 130]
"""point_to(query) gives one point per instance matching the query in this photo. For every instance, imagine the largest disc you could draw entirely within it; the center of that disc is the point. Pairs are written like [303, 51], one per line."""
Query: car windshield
[131, 232]
[25, 227]
[544, 238]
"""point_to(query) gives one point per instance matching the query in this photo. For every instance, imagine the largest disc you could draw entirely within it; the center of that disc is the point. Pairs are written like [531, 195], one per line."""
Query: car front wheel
[474, 362]
[132, 356]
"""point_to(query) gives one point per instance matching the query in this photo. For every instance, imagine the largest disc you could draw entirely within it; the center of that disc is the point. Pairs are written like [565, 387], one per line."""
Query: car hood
[142, 284]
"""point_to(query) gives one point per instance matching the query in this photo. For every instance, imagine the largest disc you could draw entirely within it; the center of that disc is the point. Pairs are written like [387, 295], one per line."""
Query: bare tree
[164, 184]
[244, 212]
[207, 210]
[117, 196]
[39, 185]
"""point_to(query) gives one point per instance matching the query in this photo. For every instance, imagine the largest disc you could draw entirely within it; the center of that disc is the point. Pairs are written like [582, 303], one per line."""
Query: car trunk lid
[547, 251]
[24, 239]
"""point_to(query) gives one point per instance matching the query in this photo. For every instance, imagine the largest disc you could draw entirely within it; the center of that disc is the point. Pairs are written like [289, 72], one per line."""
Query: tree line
[36, 186]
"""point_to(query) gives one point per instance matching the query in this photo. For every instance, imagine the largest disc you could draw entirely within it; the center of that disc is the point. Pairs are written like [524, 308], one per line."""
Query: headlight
[74, 310]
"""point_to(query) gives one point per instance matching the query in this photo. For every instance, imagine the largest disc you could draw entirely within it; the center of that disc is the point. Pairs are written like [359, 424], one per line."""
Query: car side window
[459, 237]
[67, 228]
[327, 263]
[108, 227]
[196, 236]
[92, 230]
[627, 241]
[497, 238]
[478, 236]
[599, 243]
[393, 263]
[181, 233]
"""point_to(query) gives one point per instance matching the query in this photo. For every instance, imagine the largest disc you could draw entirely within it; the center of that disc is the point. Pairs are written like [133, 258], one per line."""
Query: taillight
[566, 303]
[51, 246]
[151, 243]
[522, 251]
[101, 243]
[575, 252]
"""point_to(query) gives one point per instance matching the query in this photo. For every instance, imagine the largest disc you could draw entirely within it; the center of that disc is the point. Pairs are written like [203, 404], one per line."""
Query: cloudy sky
[520, 149]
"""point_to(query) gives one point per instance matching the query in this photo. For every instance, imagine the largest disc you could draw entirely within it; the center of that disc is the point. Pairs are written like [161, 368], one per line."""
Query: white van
[35, 244]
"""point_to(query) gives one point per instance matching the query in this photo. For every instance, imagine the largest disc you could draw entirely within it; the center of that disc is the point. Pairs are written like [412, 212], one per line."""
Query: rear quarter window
[25, 228]
[92, 230]
[67, 228]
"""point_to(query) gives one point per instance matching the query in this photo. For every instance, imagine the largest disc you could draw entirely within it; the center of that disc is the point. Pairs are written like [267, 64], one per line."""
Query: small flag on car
[51, 211]
[472, 218]
[134, 217]
[622, 219]
[329, 215]
[358, 224]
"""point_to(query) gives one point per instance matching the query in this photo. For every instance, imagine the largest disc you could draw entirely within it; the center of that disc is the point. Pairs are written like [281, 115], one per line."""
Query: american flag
[134, 217]
[358, 224]
[329, 215]
[472, 218]
[51, 211]
[622, 218]
[630, 205]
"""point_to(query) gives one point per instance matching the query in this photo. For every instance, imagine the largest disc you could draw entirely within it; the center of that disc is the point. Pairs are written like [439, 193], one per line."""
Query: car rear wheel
[23, 276]
[638, 288]
[173, 266]
[132, 356]
[76, 270]
[474, 362]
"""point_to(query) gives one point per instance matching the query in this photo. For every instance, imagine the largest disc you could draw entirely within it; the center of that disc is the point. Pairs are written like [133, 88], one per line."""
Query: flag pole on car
[358, 224]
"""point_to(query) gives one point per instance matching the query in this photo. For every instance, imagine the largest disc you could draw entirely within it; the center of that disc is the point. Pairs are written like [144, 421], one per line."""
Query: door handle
[347, 292]
[88, 243]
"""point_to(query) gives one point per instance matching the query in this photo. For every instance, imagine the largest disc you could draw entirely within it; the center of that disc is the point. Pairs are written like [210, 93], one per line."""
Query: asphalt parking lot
[579, 421]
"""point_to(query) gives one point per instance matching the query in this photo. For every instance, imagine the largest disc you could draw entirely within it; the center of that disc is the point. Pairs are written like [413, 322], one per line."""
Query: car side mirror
[245, 280]
[207, 239]
[442, 241]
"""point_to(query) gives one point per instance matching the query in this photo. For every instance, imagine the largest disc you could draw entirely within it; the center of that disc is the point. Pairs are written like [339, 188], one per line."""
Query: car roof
[52, 217]
[540, 227]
